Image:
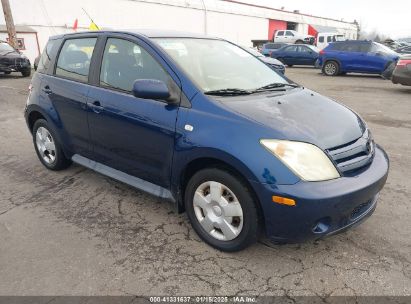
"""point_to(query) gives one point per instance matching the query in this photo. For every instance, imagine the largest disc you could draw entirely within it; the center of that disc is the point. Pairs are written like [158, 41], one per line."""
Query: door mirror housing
[151, 89]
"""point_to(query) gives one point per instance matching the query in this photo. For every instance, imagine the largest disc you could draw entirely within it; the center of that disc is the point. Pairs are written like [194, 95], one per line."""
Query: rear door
[290, 55]
[67, 88]
[130, 134]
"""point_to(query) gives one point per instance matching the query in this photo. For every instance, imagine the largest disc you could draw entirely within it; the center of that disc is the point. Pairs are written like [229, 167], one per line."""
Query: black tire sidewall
[60, 161]
[250, 230]
[26, 72]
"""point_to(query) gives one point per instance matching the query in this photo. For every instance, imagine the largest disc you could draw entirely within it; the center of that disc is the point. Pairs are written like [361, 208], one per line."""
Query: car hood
[270, 60]
[300, 115]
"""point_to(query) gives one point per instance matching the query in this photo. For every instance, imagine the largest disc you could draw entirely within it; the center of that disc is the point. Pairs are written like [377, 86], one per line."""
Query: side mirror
[151, 89]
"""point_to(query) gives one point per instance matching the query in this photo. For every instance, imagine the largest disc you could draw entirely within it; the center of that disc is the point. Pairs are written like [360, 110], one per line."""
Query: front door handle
[96, 106]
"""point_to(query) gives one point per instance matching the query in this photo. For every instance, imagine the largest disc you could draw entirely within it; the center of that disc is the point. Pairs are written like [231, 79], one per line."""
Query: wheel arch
[234, 167]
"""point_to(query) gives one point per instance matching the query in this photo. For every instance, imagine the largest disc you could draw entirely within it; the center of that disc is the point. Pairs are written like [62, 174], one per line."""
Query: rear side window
[280, 33]
[47, 55]
[330, 38]
[288, 33]
[124, 62]
[75, 57]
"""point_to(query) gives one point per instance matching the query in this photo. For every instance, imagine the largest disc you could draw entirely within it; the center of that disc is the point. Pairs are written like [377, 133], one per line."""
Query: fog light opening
[322, 226]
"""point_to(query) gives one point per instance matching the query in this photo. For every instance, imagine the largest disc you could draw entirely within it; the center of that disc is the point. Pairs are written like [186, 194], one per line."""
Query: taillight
[403, 63]
[30, 88]
[322, 52]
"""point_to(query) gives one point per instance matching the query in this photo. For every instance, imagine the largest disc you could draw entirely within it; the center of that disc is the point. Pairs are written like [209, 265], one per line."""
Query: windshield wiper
[228, 92]
[276, 85]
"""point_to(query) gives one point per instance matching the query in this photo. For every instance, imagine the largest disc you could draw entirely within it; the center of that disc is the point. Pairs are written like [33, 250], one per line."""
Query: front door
[130, 134]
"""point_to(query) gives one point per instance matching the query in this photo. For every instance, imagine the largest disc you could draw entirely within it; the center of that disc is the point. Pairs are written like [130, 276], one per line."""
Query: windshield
[218, 65]
[5, 47]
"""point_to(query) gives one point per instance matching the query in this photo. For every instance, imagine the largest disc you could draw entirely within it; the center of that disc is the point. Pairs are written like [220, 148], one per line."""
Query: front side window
[321, 39]
[292, 48]
[124, 62]
[75, 57]
[217, 64]
[330, 38]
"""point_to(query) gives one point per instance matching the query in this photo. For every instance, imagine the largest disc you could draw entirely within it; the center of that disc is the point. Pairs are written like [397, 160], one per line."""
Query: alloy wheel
[45, 145]
[330, 69]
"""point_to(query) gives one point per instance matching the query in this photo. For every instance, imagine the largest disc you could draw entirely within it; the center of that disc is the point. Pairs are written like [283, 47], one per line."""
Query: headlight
[306, 160]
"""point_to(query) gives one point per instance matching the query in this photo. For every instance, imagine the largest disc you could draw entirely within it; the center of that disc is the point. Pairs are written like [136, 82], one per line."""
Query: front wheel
[331, 68]
[222, 210]
[26, 72]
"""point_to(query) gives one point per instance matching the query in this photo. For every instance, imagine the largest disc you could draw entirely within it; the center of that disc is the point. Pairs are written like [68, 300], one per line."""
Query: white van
[323, 39]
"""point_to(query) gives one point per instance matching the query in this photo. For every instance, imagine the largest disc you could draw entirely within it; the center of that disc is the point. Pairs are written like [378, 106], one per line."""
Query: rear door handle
[47, 90]
[96, 106]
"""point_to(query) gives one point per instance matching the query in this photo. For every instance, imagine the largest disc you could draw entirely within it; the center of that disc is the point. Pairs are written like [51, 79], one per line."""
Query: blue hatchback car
[203, 123]
[356, 56]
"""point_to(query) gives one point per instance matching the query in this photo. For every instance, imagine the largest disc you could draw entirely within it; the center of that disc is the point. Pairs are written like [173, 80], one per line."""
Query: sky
[391, 18]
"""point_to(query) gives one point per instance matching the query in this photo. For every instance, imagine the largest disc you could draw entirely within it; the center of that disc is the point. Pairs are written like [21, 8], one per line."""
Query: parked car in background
[11, 60]
[289, 36]
[271, 62]
[269, 47]
[402, 72]
[297, 54]
[356, 56]
[324, 39]
[203, 123]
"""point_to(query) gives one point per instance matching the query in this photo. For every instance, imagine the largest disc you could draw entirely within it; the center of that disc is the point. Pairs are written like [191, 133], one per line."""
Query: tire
[299, 42]
[26, 72]
[237, 231]
[7, 73]
[290, 65]
[331, 68]
[47, 147]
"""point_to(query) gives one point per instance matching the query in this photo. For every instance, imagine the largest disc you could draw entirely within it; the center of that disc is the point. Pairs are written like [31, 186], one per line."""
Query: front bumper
[322, 208]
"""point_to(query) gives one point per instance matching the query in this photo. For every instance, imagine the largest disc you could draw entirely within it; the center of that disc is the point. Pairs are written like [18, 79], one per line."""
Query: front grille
[354, 155]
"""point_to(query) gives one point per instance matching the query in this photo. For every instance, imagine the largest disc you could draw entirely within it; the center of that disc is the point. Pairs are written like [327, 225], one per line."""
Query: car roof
[352, 41]
[149, 33]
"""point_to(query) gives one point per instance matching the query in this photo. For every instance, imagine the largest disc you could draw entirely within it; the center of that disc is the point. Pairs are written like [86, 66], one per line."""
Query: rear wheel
[331, 68]
[289, 65]
[48, 149]
[222, 210]
[7, 73]
[299, 42]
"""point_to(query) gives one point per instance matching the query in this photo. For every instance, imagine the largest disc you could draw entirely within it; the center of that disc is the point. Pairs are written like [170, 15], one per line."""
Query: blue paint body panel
[145, 142]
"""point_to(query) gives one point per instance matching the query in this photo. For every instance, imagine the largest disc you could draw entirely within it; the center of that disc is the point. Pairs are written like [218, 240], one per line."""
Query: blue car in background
[270, 47]
[357, 56]
[203, 123]
[297, 54]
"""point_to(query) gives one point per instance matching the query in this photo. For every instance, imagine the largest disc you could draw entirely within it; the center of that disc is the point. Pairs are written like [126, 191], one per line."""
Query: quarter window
[75, 57]
[124, 62]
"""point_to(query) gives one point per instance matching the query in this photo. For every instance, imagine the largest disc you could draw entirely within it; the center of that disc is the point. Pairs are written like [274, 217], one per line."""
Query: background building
[233, 20]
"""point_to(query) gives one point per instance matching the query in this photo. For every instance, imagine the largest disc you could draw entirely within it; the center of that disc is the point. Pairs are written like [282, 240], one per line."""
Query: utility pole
[11, 30]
